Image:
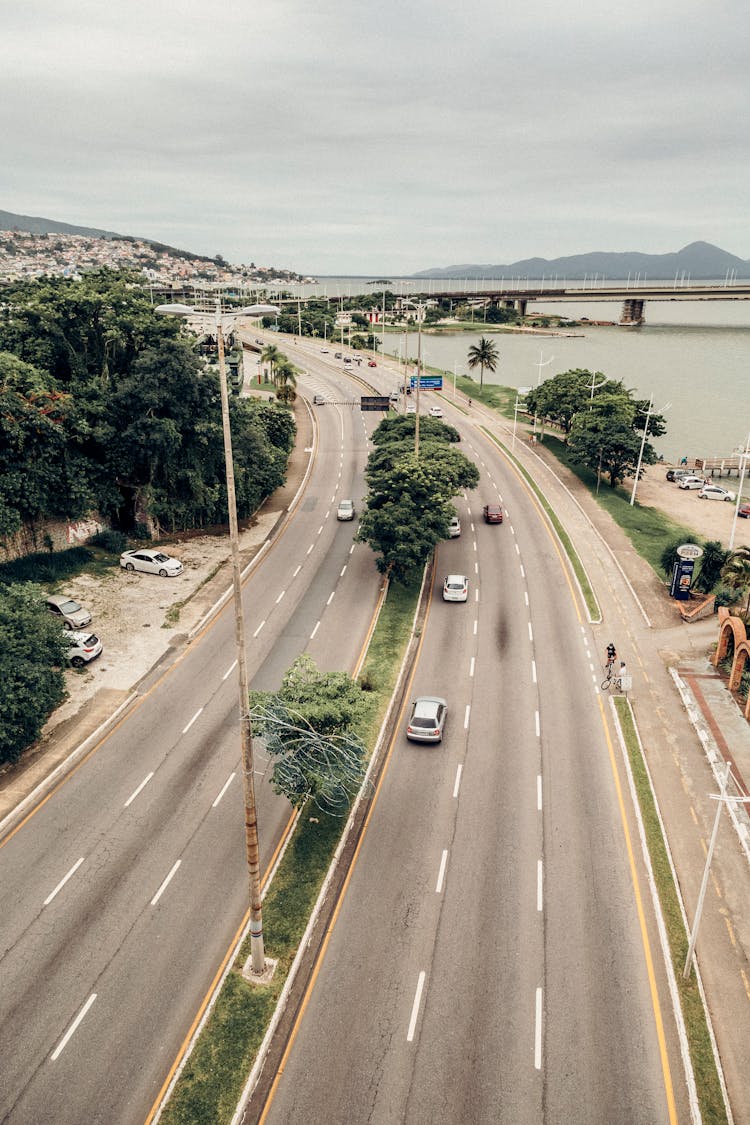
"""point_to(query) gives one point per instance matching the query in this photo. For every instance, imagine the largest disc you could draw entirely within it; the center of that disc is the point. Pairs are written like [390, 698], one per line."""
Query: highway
[121, 895]
[490, 960]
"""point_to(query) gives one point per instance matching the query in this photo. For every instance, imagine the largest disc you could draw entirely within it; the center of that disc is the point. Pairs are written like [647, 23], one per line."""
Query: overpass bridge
[632, 295]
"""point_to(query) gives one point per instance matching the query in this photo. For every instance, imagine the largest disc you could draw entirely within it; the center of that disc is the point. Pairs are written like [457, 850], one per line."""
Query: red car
[492, 513]
[744, 510]
[371, 363]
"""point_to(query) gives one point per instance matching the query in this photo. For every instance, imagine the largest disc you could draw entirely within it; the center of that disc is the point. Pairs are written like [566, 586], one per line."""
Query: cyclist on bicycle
[611, 654]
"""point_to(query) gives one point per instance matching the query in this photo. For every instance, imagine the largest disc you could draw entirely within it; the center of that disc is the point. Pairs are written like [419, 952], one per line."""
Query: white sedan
[692, 482]
[151, 562]
[716, 492]
[436, 412]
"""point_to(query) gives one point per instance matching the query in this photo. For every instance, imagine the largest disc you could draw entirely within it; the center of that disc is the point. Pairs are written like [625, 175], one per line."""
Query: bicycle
[612, 680]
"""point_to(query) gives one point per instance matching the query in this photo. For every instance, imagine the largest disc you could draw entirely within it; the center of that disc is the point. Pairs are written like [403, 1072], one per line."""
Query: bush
[45, 568]
[110, 540]
[725, 596]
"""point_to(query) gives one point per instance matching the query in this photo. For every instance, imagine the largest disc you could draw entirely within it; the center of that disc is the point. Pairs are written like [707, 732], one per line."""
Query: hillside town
[24, 256]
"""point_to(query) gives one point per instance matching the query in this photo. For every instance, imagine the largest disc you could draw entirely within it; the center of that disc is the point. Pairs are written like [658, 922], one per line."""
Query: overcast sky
[340, 138]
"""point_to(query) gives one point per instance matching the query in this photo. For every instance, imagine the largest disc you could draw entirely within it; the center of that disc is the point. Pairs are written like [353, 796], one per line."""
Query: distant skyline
[331, 140]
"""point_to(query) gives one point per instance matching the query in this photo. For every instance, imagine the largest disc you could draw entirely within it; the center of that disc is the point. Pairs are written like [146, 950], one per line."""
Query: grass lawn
[214, 1075]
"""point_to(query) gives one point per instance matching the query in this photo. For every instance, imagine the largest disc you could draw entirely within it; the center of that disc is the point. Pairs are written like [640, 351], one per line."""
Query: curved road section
[491, 960]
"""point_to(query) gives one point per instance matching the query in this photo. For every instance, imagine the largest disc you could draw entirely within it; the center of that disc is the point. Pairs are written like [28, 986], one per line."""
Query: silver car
[72, 615]
[692, 482]
[427, 720]
[346, 510]
[151, 562]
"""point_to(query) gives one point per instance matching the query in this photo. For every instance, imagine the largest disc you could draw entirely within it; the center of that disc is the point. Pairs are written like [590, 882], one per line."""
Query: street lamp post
[257, 952]
[643, 446]
[744, 454]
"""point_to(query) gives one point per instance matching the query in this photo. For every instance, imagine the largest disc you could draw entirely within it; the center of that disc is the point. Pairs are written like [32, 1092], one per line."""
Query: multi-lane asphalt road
[121, 895]
[490, 959]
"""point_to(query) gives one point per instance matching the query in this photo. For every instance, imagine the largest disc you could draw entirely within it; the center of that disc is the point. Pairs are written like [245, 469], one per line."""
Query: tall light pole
[419, 307]
[542, 363]
[744, 454]
[643, 446]
[257, 952]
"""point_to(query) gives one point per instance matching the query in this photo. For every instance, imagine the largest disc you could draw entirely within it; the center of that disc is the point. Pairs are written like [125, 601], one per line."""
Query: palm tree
[481, 355]
[736, 572]
[714, 557]
[272, 356]
[285, 380]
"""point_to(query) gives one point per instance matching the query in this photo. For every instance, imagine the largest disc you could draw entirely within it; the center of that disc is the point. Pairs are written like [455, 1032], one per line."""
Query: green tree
[483, 355]
[285, 380]
[308, 728]
[712, 562]
[603, 437]
[409, 499]
[736, 572]
[271, 356]
[32, 656]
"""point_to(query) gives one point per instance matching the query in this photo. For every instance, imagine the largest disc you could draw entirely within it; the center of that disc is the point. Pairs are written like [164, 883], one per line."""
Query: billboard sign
[374, 402]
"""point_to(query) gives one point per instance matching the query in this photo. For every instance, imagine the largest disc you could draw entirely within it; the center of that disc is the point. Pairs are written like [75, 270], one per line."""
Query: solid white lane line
[63, 881]
[255, 634]
[166, 883]
[330, 597]
[415, 1008]
[223, 790]
[475, 627]
[539, 792]
[523, 572]
[533, 671]
[538, 1031]
[72, 1029]
[310, 548]
[135, 792]
[531, 633]
[195, 716]
[467, 712]
[441, 872]
[457, 783]
[281, 595]
[299, 568]
[536, 723]
[539, 884]
[229, 670]
[471, 667]
[343, 572]
[526, 596]
[314, 630]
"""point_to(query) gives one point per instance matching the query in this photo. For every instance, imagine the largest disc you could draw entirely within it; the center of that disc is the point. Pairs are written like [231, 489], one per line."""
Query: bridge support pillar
[632, 311]
[520, 305]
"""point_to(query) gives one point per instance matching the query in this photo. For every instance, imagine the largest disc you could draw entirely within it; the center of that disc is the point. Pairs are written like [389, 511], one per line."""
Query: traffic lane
[334, 640]
[488, 963]
[138, 994]
[588, 879]
[350, 1061]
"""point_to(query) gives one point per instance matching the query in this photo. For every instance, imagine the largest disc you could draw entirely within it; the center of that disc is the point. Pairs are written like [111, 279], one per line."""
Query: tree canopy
[483, 355]
[408, 505]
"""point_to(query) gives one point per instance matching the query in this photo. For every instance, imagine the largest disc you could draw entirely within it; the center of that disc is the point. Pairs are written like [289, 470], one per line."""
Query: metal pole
[419, 380]
[743, 465]
[640, 454]
[707, 868]
[257, 953]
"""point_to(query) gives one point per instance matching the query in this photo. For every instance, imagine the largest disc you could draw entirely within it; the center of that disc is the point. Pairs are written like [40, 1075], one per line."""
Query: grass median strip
[588, 594]
[213, 1077]
[699, 1040]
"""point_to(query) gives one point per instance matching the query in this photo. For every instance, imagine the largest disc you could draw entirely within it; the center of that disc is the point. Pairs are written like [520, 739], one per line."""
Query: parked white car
[151, 562]
[346, 510]
[83, 647]
[692, 482]
[716, 492]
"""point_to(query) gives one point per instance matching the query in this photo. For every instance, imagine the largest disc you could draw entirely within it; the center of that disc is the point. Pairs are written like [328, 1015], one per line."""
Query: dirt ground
[711, 519]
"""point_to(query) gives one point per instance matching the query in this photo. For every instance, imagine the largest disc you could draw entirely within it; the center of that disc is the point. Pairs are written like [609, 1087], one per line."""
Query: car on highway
[411, 408]
[692, 482]
[677, 474]
[716, 492]
[371, 363]
[427, 720]
[151, 562]
[83, 647]
[337, 355]
[454, 528]
[347, 359]
[455, 588]
[346, 510]
[319, 400]
[324, 351]
[67, 609]
[492, 513]
[394, 397]
[436, 412]
[744, 511]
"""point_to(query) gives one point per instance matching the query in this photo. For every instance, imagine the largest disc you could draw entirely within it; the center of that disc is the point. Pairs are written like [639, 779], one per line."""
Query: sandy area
[711, 519]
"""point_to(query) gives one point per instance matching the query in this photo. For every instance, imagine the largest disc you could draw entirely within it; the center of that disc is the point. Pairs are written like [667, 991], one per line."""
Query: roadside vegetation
[701, 1053]
[210, 1085]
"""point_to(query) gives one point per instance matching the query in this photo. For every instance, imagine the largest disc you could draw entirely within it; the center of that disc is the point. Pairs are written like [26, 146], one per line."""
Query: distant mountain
[699, 260]
[35, 225]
